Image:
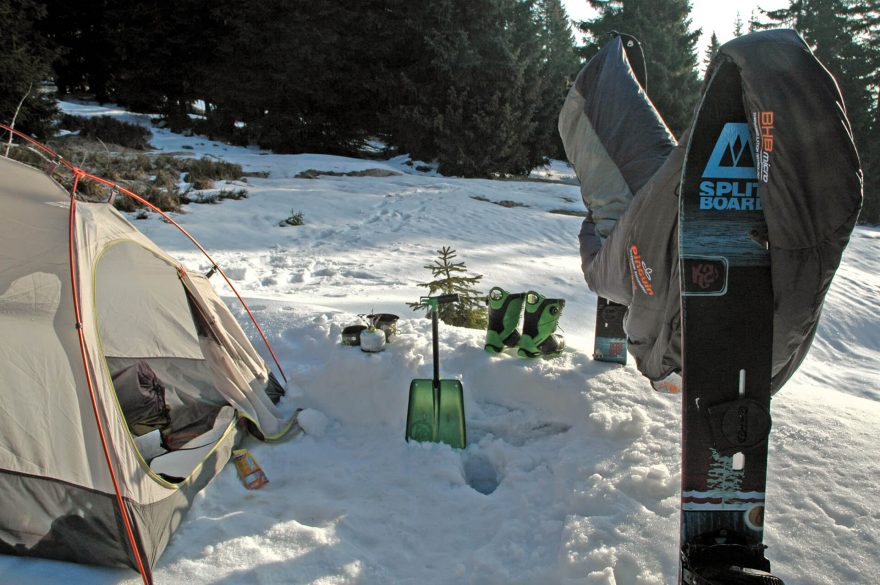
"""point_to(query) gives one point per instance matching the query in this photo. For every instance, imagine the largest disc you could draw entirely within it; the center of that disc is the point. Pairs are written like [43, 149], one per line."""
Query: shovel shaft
[434, 306]
[436, 407]
[436, 346]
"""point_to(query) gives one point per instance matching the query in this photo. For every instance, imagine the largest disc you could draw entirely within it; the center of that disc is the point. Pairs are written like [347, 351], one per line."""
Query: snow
[571, 472]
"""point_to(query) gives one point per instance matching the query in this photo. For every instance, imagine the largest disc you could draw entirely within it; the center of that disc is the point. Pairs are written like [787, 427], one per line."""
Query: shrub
[129, 205]
[200, 183]
[109, 130]
[209, 199]
[24, 155]
[234, 194]
[155, 178]
[206, 169]
[162, 191]
[296, 218]
[164, 199]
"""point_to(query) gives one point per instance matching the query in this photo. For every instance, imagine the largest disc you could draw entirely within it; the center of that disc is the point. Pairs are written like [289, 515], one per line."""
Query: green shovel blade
[436, 416]
[420, 420]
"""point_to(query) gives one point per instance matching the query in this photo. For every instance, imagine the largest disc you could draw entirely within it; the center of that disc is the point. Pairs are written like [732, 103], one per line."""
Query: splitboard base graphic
[610, 342]
[727, 329]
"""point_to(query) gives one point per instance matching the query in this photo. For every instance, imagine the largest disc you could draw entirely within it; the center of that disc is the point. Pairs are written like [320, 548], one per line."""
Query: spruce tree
[165, 50]
[865, 21]
[711, 51]
[738, 25]
[663, 28]
[238, 82]
[559, 66]
[304, 76]
[25, 64]
[88, 58]
[450, 277]
[469, 97]
[754, 22]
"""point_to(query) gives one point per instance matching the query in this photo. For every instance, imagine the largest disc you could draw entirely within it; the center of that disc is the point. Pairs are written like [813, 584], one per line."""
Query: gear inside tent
[126, 381]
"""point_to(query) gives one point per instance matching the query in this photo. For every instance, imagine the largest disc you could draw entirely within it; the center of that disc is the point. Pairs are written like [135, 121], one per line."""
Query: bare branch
[15, 115]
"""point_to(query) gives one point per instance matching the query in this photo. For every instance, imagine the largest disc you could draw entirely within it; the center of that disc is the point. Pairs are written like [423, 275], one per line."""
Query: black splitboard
[727, 329]
[610, 342]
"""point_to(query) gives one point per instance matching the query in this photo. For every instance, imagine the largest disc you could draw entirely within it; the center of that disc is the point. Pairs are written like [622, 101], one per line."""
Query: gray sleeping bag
[630, 166]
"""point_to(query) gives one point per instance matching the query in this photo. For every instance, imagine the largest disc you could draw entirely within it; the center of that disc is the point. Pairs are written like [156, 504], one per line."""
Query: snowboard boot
[731, 575]
[541, 318]
[723, 558]
[504, 311]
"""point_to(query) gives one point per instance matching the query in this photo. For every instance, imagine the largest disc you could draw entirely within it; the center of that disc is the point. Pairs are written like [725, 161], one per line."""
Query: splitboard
[727, 329]
[610, 342]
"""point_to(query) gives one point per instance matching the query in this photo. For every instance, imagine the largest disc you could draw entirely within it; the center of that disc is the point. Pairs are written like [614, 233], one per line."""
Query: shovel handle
[435, 302]
[451, 298]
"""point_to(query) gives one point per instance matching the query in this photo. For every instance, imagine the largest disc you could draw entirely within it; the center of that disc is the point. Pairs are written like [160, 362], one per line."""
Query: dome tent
[84, 296]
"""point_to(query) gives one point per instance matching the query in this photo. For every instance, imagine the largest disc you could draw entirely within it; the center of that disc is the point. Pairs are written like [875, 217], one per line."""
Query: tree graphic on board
[723, 477]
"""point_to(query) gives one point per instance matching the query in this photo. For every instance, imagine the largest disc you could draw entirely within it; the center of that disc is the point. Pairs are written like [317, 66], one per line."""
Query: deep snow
[580, 458]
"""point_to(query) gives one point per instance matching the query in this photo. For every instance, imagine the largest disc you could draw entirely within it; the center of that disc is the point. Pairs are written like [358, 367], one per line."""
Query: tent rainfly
[108, 344]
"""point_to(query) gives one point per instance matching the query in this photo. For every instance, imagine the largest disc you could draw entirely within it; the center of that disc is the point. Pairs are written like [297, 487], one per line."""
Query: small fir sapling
[450, 277]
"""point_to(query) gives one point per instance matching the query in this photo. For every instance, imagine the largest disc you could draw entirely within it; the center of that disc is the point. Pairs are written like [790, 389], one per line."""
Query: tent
[98, 326]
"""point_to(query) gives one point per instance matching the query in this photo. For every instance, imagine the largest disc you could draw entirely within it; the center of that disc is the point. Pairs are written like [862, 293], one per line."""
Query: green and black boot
[541, 318]
[504, 311]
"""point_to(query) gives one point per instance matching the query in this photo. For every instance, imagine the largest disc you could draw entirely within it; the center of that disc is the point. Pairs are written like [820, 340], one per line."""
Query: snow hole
[480, 473]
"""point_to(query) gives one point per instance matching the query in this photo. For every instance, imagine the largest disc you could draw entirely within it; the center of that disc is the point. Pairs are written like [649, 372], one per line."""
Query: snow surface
[571, 475]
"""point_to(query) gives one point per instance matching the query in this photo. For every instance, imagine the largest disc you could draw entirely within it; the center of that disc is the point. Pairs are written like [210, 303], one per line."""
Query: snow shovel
[436, 407]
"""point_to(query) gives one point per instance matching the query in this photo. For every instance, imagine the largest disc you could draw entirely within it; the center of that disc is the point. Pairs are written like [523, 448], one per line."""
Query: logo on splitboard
[754, 517]
[704, 276]
[730, 179]
[764, 123]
